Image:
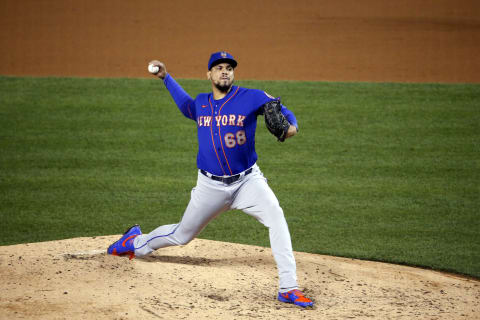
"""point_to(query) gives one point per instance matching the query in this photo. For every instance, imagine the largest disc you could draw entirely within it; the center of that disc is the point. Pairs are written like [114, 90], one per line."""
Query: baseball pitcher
[228, 176]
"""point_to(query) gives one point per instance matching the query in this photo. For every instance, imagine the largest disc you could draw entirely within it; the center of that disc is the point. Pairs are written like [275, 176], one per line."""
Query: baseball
[153, 69]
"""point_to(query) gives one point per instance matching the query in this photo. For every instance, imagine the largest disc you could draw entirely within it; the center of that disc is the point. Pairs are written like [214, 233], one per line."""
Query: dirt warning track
[344, 40]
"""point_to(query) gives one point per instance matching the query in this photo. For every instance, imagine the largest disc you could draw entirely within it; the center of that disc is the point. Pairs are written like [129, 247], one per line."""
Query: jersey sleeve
[182, 99]
[290, 116]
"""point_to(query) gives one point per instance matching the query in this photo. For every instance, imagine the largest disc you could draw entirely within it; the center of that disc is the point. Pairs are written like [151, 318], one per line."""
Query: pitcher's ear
[209, 75]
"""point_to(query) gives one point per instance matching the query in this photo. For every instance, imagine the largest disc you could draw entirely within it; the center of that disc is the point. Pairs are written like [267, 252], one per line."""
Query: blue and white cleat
[125, 244]
[296, 297]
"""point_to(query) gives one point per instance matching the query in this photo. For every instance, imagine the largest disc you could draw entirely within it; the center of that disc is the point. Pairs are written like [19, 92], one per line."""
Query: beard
[224, 86]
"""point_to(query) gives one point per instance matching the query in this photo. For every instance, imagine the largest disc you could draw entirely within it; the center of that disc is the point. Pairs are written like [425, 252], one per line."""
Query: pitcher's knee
[182, 241]
[275, 210]
[274, 215]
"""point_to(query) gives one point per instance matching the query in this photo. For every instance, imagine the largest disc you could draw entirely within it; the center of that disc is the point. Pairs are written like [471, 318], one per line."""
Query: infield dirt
[76, 279]
[346, 40]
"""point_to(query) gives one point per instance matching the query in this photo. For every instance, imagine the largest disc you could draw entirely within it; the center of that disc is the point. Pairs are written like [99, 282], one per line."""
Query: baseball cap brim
[233, 63]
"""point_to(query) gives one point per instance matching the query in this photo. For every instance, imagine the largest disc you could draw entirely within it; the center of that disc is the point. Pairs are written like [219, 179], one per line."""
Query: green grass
[385, 172]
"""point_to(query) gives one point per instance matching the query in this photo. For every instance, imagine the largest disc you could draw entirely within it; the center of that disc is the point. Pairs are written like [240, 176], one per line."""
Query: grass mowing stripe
[378, 171]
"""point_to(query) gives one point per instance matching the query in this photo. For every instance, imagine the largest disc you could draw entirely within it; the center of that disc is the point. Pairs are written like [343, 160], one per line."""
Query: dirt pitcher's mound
[76, 279]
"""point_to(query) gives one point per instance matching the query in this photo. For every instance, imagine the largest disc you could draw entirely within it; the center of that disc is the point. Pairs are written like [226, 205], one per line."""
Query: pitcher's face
[222, 76]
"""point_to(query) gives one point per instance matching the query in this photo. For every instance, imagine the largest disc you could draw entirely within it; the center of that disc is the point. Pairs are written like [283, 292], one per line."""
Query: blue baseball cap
[220, 57]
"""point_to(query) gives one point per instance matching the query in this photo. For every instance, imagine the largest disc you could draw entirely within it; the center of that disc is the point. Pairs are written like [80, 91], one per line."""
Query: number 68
[231, 140]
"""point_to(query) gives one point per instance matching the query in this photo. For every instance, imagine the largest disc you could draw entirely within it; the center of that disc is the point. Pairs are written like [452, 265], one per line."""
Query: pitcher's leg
[257, 199]
[206, 203]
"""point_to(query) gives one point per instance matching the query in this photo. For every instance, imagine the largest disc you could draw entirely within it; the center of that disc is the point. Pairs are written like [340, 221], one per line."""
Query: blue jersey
[226, 127]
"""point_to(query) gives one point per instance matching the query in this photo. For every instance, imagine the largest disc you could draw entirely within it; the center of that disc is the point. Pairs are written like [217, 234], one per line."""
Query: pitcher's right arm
[182, 99]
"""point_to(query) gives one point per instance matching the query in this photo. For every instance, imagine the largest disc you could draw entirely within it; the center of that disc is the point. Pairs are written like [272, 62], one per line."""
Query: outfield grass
[384, 172]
